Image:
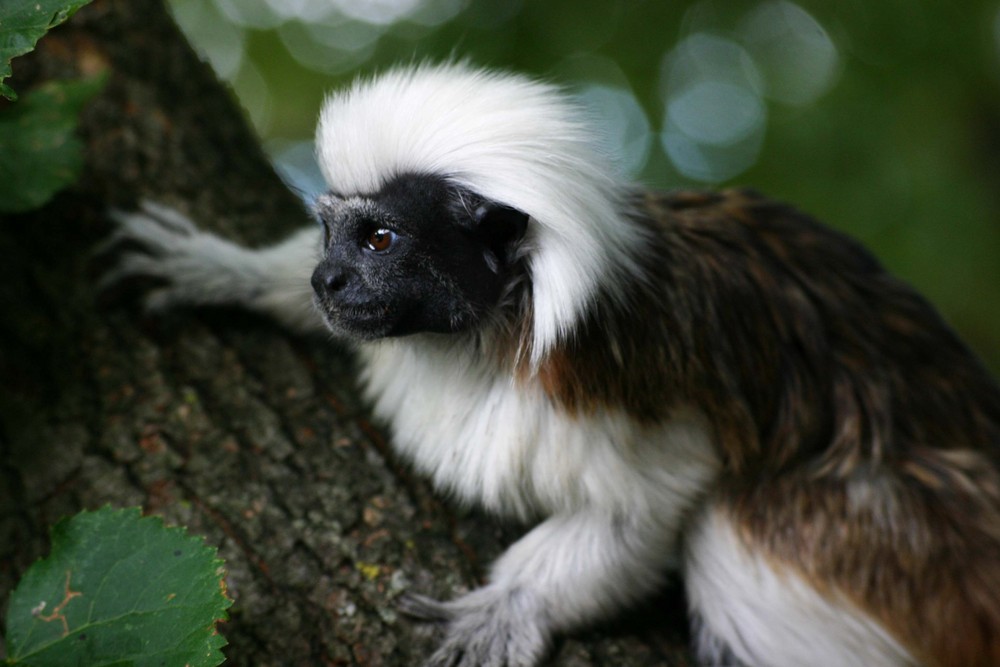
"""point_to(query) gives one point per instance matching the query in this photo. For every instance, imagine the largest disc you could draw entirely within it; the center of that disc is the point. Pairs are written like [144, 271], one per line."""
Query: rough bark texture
[216, 420]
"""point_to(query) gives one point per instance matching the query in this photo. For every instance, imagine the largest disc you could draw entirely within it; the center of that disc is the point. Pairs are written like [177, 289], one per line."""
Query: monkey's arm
[201, 269]
[568, 571]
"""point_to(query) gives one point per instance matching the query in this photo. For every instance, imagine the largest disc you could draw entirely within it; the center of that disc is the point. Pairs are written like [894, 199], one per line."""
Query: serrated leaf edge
[216, 562]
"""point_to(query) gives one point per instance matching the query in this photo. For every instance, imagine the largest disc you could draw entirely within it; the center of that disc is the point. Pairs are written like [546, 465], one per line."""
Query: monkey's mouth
[361, 322]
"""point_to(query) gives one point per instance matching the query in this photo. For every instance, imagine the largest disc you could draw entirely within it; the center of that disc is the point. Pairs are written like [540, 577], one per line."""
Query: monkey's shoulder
[778, 326]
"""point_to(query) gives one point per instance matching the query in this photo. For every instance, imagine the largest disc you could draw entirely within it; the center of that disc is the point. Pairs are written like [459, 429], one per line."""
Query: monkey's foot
[489, 627]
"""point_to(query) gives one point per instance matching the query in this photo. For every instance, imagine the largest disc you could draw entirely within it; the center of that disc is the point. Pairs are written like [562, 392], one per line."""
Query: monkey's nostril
[329, 280]
[334, 281]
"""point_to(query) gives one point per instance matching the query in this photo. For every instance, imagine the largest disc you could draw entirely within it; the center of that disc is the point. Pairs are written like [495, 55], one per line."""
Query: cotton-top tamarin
[709, 379]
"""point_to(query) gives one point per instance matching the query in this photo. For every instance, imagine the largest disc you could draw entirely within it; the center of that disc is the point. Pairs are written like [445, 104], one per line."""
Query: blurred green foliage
[881, 118]
[40, 153]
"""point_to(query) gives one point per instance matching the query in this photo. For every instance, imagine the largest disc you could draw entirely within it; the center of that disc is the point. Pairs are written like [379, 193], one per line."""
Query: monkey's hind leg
[748, 609]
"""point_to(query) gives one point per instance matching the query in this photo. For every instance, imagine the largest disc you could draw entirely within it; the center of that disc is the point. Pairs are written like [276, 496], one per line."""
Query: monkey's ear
[498, 225]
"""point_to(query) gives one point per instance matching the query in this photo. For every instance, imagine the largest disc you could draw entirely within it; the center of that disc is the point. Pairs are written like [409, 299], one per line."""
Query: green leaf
[22, 23]
[39, 151]
[119, 589]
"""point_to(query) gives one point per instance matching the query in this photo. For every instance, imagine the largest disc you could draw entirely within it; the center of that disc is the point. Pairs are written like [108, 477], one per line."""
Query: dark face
[420, 255]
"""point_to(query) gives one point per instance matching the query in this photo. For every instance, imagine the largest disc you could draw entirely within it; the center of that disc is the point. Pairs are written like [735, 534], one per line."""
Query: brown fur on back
[861, 437]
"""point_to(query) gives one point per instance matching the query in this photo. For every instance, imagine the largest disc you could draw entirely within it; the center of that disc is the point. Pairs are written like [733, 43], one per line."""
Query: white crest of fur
[506, 137]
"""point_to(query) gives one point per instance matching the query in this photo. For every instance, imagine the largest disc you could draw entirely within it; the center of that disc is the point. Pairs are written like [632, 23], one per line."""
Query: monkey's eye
[380, 240]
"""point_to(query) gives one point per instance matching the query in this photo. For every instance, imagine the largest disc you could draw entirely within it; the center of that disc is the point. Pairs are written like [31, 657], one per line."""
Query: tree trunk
[216, 420]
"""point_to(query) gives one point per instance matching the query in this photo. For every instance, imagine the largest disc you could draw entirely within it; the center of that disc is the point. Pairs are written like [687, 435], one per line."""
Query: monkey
[703, 381]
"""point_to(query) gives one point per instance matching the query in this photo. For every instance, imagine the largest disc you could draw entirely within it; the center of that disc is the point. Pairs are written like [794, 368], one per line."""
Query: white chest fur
[489, 438]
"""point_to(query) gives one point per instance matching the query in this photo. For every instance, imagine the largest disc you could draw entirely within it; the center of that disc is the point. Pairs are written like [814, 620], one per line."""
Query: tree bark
[216, 420]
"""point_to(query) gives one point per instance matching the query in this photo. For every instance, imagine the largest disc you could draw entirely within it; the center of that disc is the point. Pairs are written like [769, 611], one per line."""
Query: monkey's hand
[192, 267]
[568, 571]
[489, 627]
[197, 268]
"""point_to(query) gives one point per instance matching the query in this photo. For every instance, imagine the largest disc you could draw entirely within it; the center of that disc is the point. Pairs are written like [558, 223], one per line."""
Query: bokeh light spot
[627, 138]
[796, 55]
[715, 119]
[716, 112]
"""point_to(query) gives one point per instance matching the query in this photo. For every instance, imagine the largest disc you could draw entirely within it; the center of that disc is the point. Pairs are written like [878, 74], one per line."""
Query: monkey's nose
[328, 279]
